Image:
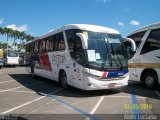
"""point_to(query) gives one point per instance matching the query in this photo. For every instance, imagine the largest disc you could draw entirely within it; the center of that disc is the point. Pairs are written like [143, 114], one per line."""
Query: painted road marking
[22, 91]
[157, 93]
[7, 81]
[95, 107]
[42, 106]
[11, 80]
[82, 112]
[135, 102]
[4, 76]
[10, 71]
[2, 72]
[27, 103]
[19, 87]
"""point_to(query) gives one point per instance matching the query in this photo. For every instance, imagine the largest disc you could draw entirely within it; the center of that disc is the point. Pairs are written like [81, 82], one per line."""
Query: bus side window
[32, 48]
[49, 44]
[36, 47]
[42, 46]
[152, 42]
[52, 42]
[59, 43]
[56, 47]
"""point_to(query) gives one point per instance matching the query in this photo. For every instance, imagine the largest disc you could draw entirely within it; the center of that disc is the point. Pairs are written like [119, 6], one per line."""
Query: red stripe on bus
[45, 62]
[105, 74]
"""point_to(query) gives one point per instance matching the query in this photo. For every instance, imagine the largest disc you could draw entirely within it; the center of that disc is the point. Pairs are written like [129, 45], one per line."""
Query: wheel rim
[149, 81]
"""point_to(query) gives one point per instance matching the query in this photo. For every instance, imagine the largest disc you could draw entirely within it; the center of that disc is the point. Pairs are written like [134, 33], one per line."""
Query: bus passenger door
[77, 61]
[77, 75]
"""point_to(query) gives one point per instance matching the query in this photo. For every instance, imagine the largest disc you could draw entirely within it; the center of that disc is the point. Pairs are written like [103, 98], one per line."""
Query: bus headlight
[91, 75]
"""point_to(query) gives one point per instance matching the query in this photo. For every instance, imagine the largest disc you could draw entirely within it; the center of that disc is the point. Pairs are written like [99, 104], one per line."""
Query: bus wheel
[64, 81]
[150, 79]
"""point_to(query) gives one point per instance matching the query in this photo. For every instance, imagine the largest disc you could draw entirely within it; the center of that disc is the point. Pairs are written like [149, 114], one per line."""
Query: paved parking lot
[24, 97]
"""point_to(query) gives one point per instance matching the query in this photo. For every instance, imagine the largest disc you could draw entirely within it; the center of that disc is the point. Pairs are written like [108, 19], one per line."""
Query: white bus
[1, 58]
[144, 64]
[88, 57]
[11, 58]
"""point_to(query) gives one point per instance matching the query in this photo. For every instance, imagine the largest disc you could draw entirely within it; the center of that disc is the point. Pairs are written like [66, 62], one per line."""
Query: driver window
[75, 45]
[75, 48]
[137, 37]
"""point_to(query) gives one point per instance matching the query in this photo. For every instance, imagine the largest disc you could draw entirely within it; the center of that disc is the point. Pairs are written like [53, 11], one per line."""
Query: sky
[37, 17]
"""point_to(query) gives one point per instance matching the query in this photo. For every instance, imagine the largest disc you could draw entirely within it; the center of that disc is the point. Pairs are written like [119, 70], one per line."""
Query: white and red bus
[88, 57]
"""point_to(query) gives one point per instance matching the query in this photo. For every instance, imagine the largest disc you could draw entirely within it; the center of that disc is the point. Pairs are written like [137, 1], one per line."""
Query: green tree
[3, 46]
[16, 35]
[8, 32]
[1, 31]
[29, 37]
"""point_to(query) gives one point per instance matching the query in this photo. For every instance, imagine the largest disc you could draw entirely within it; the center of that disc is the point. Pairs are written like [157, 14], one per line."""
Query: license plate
[110, 85]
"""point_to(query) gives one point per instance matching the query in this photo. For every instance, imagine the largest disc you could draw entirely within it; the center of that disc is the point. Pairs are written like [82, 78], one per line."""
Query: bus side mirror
[133, 44]
[83, 39]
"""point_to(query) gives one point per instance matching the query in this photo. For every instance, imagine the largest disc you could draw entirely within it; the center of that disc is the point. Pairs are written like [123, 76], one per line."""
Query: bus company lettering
[58, 59]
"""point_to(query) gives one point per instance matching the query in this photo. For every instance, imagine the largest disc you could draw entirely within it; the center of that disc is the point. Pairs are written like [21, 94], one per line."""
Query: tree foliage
[14, 34]
[3, 46]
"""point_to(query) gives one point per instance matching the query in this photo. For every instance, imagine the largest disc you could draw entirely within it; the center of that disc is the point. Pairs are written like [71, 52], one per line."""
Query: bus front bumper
[93, 84]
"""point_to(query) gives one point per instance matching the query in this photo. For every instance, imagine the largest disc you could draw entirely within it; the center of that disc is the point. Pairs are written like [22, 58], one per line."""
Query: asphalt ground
[25, 98]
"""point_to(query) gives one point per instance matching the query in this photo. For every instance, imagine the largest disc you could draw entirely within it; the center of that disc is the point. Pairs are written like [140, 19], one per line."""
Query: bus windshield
[106, 52]
[12, 54]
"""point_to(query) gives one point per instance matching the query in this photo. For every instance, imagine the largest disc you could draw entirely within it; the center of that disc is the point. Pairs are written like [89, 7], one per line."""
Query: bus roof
[87, 27]
[145, 28]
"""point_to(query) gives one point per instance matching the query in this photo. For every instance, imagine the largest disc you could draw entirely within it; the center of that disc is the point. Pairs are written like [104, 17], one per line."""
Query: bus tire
[64, 81]
[150, 79]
